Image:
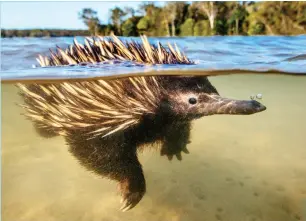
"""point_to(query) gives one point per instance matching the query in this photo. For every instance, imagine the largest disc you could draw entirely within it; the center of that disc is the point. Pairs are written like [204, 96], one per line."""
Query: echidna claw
[179, 156]
[185, 150]
[123, 202]
[130, 200]
[170, 157]
[162, 153]
[126, 206]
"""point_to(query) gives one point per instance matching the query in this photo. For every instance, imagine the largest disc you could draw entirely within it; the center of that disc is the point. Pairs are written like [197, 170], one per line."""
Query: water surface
[260, 53]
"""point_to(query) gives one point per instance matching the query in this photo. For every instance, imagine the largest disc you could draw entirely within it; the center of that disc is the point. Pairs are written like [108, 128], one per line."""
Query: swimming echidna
[105, 121]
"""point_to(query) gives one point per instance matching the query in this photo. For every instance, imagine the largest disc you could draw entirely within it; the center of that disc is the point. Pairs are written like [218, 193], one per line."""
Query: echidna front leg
[114, 159]
[175, 140]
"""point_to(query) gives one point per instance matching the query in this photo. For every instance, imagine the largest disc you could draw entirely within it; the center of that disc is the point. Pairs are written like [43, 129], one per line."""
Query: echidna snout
[194, 104]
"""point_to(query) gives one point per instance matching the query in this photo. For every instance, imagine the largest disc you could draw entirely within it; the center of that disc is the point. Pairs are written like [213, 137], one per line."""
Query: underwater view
[239, 167]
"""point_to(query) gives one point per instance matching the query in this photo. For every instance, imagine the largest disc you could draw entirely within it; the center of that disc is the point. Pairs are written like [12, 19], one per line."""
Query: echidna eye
[192, 100]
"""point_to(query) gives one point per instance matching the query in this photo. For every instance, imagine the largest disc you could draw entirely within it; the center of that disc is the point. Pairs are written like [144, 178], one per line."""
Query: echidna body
[105, 121]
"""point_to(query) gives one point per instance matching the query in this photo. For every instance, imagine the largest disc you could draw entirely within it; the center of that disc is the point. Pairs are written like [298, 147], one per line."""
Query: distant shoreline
[53, 33]
[35, 33]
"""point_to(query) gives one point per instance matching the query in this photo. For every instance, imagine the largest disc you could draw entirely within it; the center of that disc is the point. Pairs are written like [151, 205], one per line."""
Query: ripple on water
[210, 53]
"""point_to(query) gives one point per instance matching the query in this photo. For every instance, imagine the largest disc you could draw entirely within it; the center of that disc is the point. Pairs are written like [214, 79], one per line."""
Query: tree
[174, 14]
[257, 28]
[187, 27]
[199, 18]
[237, 15]
[147, 8]
[90, 19]
[280, 17]
[201, 28]
[116, 18]
[154, 22]
[171, 11]
[129, 27]
[210, 8]
[143, 25]
[129, 11]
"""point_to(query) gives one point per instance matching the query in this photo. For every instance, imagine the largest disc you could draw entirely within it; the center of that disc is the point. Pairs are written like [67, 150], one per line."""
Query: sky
[61, 15]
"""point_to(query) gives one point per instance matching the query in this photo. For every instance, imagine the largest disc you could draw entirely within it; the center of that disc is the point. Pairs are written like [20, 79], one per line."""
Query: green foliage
[202, 28]
[280, 18]
[160, 28]
[143, 24]
[174, 12]
[189, 19]
[129, 27]
[221, 27]
[187, 27]
[105, 29]
[154, 22]
[116, 18]
[90, 19]
[236, 19]
[257, 28]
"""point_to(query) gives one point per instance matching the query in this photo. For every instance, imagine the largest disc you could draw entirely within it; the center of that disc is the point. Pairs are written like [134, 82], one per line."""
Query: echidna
[105, 121]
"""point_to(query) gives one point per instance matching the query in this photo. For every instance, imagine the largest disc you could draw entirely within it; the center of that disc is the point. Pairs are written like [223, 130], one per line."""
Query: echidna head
[195, 97]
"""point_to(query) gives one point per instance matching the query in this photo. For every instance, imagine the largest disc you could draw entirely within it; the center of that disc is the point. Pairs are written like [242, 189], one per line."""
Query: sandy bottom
[240, 168]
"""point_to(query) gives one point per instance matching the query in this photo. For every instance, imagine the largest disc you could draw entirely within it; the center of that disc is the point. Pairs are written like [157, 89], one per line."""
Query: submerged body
[105, 122]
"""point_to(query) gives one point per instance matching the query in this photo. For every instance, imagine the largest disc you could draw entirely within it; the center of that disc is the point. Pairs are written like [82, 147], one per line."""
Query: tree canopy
[192, 19]
[211, 18]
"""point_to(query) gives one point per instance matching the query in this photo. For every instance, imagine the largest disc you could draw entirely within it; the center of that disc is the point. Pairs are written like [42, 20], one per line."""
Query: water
[248, 168]
[277, 54]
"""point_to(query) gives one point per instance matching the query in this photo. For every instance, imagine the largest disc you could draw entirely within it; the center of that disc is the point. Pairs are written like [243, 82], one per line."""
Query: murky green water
[240, 168]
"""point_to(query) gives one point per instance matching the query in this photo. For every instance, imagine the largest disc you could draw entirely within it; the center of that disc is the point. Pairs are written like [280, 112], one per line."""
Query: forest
[189, 19]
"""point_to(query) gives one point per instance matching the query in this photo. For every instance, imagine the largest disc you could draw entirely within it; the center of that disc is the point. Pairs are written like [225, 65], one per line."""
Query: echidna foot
[132, 190]
[169, 153]
[175, 141]
[130, 200]
[131, 194]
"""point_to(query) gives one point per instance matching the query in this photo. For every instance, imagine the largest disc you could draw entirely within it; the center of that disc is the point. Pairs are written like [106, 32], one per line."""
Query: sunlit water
[240, 168]
[281, 54]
